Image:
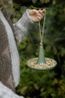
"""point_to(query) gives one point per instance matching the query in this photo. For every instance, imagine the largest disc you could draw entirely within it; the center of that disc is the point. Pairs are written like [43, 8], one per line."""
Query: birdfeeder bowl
[50, 64]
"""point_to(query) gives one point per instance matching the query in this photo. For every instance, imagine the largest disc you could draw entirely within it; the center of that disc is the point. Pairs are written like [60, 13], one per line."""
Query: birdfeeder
[41, 62]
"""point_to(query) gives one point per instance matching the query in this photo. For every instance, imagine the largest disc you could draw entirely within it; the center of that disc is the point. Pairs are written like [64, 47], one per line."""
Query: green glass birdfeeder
[41, 62]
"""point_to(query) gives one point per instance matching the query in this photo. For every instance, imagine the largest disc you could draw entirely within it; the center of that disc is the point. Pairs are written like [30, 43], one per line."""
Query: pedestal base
[50, 63]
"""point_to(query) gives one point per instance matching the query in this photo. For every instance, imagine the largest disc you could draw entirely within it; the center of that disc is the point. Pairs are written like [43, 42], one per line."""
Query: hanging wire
[42, 29]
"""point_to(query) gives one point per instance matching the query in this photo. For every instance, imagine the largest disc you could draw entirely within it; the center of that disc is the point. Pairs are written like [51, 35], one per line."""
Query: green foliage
[17, 12]
[50, 83]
